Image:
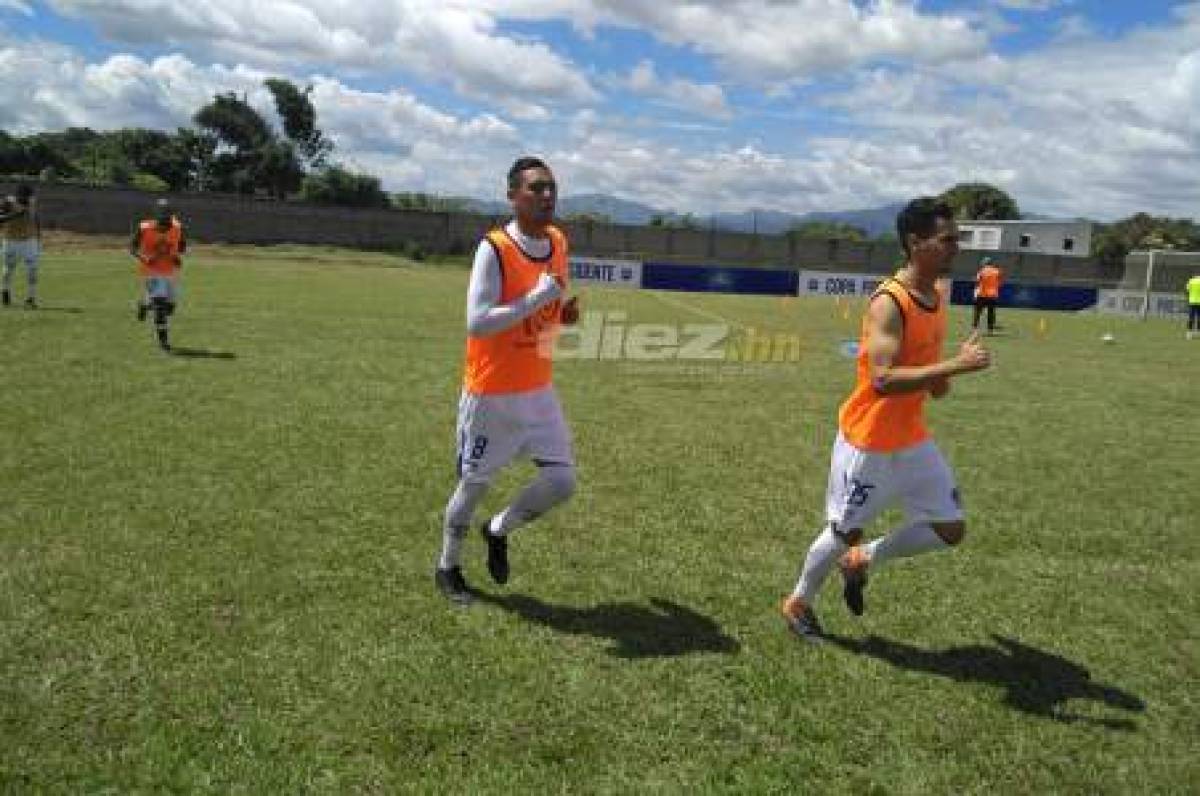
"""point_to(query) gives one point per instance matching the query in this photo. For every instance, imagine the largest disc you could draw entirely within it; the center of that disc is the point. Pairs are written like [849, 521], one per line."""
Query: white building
[1067, 238]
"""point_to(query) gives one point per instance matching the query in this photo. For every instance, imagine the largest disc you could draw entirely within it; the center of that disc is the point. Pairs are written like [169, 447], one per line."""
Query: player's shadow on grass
[201, 353]
[1036, 682]
[665, 630]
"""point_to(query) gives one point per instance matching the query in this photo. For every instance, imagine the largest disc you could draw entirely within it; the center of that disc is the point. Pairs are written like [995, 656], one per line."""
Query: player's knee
[951, 533]
[561, 480]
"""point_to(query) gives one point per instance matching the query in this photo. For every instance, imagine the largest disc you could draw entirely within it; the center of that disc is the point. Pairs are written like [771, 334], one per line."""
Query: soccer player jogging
[883, 452]
[22, 241]
[508, 407]
[158, 244]
[1193, 294]
[987, 293]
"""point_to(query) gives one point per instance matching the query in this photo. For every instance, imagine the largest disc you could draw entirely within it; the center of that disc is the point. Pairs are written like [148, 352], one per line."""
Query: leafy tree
[1112, 242]
[829, 230]
[278, 169]
[978, 200]
[336, 185]
[234, 123]
[428, 202]
[300, 121]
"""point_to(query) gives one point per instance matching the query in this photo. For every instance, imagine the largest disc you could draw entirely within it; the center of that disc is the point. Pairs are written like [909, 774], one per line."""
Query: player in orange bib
[158, 244]
[987, 293]
[508, 406]
[883, 452]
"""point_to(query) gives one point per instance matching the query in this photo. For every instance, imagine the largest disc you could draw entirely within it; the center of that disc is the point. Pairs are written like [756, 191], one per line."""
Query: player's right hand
[972, 356]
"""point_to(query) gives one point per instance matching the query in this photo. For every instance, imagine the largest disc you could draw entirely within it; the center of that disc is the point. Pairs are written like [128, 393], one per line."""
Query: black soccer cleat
[163, 342]
[854, 579]
[5, 297]
[453, 585]
[142, 309]
[497, 556]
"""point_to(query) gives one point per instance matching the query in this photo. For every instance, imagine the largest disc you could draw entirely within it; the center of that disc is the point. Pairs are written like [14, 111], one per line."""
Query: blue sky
[1076, 107]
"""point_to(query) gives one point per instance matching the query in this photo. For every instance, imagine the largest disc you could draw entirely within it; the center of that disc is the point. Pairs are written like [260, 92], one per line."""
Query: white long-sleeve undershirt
[485, 314]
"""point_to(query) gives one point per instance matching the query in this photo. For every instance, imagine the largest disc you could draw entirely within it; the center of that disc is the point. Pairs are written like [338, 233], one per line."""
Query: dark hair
[521, 165]
[919, 217]
[24, 191]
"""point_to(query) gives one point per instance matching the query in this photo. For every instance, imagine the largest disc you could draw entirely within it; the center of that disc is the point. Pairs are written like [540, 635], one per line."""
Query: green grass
[215, 573]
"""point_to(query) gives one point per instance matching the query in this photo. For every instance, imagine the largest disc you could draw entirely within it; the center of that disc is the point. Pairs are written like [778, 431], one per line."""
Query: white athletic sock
[909, 540]
[553, 485]
[826, 549]
[457, 523]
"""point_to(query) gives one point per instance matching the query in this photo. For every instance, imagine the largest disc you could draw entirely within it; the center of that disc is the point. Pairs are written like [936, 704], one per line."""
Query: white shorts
[27, 250]
[162, 287]
[862, 484]
[493, 430]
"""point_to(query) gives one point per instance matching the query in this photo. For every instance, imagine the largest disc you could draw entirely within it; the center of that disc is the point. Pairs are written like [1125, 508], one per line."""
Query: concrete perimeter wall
[238, 219]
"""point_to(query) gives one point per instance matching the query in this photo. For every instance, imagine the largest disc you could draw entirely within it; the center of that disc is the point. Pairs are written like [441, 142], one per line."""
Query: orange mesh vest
[881, 423]
[159, 249]
[989, 282]
[518, 358]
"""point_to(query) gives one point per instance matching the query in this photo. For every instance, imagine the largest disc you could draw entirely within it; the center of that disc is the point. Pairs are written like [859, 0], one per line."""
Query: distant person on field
[508, 407]
[1193, 293]
[158, 244]
[22, 241]
[987, 293]
[883, 453]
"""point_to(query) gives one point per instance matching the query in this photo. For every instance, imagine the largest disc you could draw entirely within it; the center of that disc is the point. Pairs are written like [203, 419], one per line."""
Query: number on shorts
[478, 448]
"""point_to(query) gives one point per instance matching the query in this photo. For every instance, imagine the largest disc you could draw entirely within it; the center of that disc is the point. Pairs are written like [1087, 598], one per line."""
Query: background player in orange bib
[987, 293]
[158, 244]
[883, 452]
[508, 407]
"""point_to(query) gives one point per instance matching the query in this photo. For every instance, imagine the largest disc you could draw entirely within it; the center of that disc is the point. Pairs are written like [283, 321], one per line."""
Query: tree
[299, 118]
[977, 200]
[1113, 242]
[234, 123]
[337, 186]
[829, 230]
[198, 151]
[278, 169]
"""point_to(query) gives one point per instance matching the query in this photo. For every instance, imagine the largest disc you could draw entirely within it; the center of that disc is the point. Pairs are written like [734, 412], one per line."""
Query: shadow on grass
[201, 353]
[667, 629]
[1035, 682]
[66, 310]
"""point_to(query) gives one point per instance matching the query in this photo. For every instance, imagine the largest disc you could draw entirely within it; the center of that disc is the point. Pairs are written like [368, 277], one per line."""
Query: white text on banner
[608, 273]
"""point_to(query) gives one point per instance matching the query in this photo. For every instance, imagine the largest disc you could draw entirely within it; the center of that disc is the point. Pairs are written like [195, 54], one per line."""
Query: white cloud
[405, 138]
[773, 40]
[1030, 5]
[17, 6]
[451, 42]
[707, 99]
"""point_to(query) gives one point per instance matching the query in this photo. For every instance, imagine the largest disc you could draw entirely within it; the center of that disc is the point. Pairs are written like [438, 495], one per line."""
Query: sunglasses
[543, 186]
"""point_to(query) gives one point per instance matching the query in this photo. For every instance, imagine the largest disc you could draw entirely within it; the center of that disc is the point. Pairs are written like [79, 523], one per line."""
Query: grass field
[215, 568]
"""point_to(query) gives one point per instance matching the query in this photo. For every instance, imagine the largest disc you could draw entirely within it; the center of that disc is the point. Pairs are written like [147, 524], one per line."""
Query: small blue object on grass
[849, 348]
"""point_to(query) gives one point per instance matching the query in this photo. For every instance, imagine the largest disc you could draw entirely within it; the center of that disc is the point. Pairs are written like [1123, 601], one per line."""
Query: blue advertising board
[720, 279]
[1032, 297]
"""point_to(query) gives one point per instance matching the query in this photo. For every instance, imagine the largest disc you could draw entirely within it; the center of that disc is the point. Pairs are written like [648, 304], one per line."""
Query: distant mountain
[875, 221]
